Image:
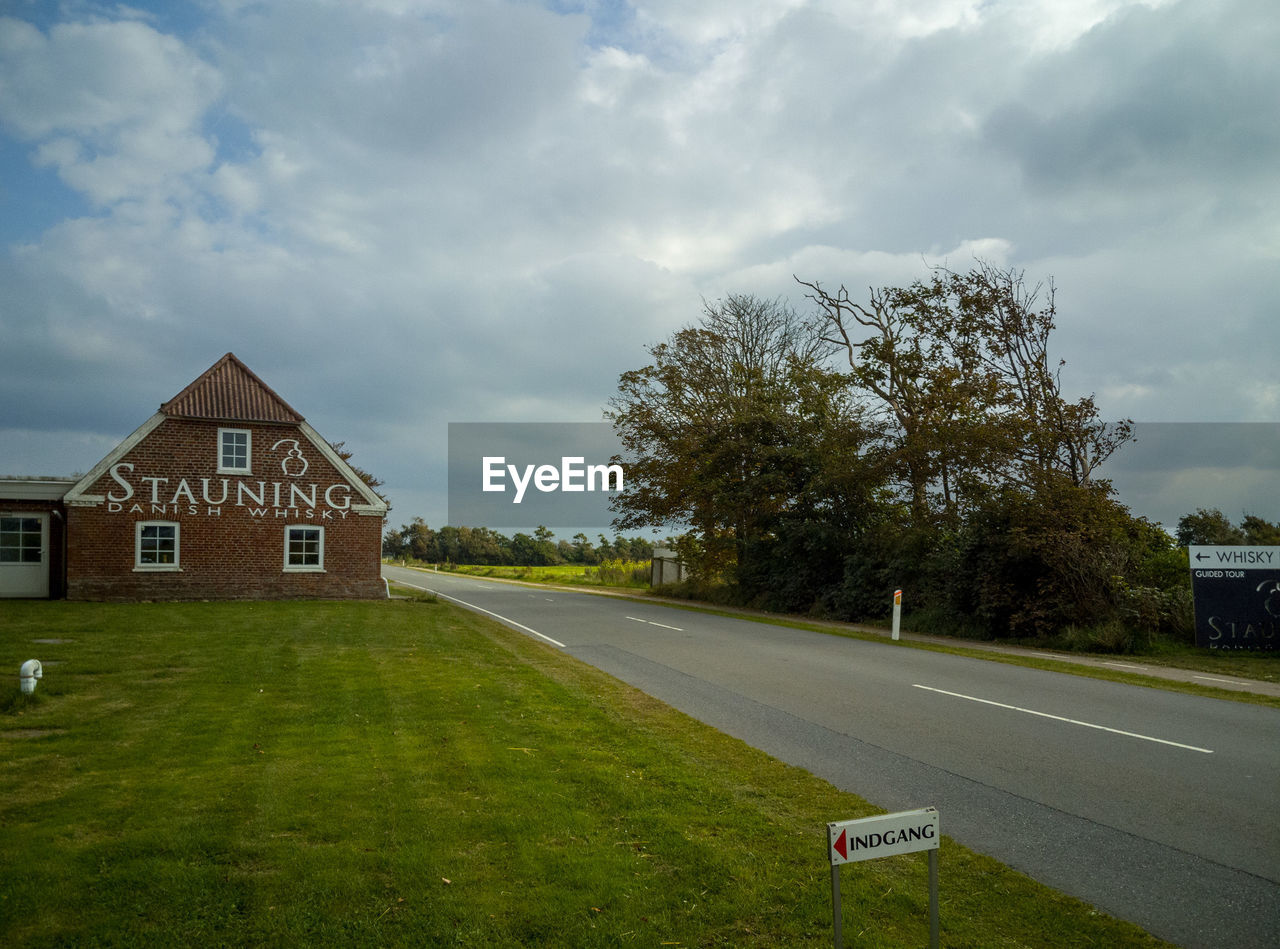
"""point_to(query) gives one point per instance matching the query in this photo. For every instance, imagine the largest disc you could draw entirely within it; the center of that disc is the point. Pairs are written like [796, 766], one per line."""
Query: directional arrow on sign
[841, 846]
[1202, 557]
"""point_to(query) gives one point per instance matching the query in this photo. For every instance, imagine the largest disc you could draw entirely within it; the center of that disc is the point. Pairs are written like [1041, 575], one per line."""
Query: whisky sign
[1237, 596]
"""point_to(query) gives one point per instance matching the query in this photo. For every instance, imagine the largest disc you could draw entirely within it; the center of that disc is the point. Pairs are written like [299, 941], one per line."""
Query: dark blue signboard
[1237, 596]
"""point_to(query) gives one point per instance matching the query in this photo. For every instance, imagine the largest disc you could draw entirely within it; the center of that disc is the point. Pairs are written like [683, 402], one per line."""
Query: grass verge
[407, 773]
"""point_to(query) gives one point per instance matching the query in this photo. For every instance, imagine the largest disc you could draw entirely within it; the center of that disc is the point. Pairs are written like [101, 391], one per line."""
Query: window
[234, 450]
[156, 546]
[21, 540]
[304, 549]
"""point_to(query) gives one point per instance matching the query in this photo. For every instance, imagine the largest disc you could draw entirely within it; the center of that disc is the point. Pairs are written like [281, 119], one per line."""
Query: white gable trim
[373, 505]
[76, 495]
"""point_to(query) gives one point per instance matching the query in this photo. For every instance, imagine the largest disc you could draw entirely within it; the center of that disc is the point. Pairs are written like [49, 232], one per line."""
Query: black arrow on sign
[1203, 557]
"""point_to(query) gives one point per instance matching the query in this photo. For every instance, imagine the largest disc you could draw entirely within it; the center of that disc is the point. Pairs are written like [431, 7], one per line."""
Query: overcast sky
[405, 213]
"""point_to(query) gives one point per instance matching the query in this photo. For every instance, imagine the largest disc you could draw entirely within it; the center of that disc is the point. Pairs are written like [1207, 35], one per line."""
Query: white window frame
[21, 532]
[139, 566]
[299, 567]
[248, 451]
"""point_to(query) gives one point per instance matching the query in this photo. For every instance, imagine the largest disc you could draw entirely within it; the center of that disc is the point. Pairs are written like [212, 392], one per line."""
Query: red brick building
[225, 493]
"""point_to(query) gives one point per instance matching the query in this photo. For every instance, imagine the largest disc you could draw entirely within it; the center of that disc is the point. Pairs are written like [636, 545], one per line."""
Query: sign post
[897, 613]
[1237, 596]
[884, 836]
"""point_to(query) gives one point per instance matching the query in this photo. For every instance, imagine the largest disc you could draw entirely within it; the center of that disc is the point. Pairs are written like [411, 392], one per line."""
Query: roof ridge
[230, 390]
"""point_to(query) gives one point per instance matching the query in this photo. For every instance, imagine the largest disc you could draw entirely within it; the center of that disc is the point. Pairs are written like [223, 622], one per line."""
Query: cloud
[1172, 469]
[411, 212]
[115, 107]
[1142, 103]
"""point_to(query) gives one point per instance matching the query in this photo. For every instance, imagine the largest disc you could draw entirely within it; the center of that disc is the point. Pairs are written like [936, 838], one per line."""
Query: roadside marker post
[897, 613]
[884, 836]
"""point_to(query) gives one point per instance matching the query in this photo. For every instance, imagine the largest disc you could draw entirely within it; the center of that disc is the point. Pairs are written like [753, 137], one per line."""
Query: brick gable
[230, 527]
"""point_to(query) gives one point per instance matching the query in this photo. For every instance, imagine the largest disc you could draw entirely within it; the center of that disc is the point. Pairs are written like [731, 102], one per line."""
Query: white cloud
[611, 74]
[115, 107]
[711, 22]
[403, 213]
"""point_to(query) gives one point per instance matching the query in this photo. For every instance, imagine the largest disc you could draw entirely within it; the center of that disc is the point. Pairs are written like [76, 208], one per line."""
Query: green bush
[621, 572]
[1153, 611]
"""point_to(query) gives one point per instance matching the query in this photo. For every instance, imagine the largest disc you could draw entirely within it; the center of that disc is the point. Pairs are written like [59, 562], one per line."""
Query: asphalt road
[1153, 806]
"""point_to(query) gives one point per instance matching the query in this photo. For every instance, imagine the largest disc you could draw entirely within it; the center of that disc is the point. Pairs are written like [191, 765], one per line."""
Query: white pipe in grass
[27, 675]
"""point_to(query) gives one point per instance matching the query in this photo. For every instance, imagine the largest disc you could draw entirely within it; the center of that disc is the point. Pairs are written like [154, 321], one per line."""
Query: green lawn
[406, 773]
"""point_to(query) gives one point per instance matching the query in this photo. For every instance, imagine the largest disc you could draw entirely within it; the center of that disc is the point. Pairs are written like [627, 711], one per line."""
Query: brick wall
[231, 543]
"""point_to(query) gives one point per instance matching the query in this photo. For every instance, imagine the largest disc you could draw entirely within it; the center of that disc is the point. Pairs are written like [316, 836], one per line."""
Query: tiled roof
[229, 390]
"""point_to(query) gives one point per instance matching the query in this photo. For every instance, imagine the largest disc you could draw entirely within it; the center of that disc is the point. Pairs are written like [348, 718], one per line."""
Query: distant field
[614, 573]
[404, 773]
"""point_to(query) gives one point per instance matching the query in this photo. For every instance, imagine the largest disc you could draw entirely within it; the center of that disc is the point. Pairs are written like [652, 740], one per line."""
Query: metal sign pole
[837, 913]
[933, 899]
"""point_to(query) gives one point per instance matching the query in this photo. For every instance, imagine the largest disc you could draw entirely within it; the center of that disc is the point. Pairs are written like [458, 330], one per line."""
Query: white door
[24, 555]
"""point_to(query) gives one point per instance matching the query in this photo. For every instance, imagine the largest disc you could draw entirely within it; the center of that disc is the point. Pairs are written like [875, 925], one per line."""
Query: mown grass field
[407, 773]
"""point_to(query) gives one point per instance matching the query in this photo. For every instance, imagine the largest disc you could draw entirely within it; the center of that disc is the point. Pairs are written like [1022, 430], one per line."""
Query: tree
[710, 426]
[1259, 532]
[449, 545]
[415, 540]
[421, 541]
[637, 549]
[915, 362]
[605, 551]
[374, 483]
[958, 371]
[1210, 528]
[524, 550]
[480, 545]
[1011, 324]
[393, 545]
[583, 550]
[546, 548]
[1000, 520]
[1034, 562]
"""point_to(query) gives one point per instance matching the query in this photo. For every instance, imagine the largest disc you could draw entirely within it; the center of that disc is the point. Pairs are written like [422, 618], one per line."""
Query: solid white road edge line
[481, 609]
[1059, 718]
